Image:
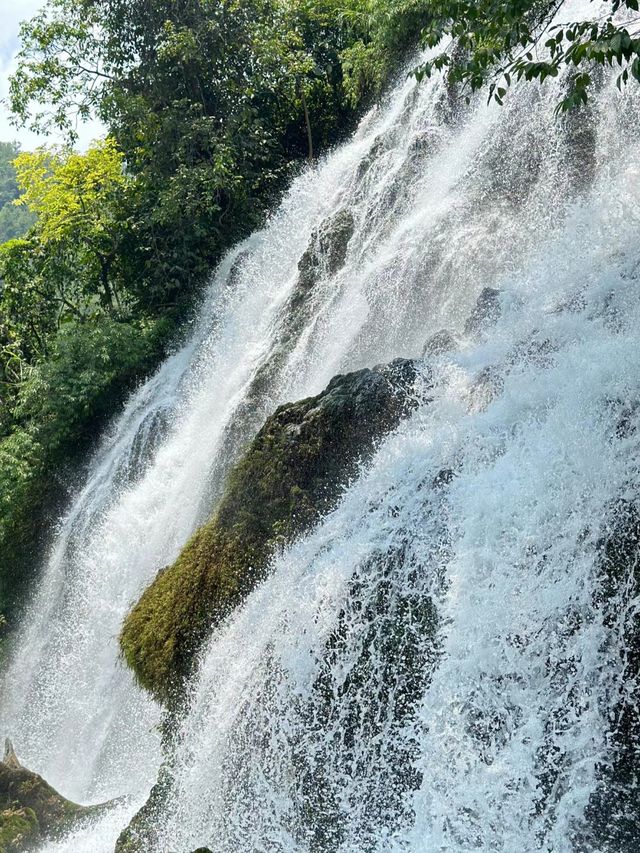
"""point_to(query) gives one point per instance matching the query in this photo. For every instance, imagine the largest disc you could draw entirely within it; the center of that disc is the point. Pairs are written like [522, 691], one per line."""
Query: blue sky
[11, 13]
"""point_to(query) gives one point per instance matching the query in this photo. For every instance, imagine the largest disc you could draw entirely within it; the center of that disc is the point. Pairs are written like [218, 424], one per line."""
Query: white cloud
[12, 12]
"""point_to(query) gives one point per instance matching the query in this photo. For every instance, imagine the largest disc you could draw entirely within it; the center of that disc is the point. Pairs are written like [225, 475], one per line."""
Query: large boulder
[292, 473]
[31, 811]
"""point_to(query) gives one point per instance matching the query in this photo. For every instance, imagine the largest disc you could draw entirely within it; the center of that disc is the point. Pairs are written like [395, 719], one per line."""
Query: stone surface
[613, 816]
[440, 343]
[292, 473]
[486, 311]
[31, 811]
[327, 250]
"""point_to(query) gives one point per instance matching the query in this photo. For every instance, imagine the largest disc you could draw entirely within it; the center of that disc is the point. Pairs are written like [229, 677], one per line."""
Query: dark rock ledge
[31, 811]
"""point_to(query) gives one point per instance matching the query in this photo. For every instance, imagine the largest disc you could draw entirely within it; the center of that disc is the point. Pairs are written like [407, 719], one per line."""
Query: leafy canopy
[72, 194]
[496, 43]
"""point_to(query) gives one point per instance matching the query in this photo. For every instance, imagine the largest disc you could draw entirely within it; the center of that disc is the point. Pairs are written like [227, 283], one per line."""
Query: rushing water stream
[426, 671]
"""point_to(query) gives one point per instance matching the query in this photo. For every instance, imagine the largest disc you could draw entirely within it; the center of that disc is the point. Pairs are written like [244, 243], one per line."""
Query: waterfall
[429, 669]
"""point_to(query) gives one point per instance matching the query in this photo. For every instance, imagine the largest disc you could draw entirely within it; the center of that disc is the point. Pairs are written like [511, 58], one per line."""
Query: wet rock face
[440, 343]
[580, 143]
[293, 472]
[486, 312]
[141, 835]
[485, 387]
[613, 816]
[379, 691]
[31, 811]
[327, 251]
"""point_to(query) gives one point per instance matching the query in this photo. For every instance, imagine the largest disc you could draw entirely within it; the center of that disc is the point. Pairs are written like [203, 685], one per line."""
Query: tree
[66, 267]
[496, 43]
[14, 222]
[77, 199]
[210, 101]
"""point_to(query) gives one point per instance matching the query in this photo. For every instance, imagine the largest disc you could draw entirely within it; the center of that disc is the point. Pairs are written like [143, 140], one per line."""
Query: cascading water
[430, 669]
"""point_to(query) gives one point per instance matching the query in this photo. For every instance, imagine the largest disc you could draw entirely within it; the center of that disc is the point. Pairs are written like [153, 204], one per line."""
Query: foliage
[72, 193]
[383, 31]
[14, 222]
[66, 268]
[8, 184]
[58, 411]
[22, 501]
[209, 106]
[499, 43]
[68, 393]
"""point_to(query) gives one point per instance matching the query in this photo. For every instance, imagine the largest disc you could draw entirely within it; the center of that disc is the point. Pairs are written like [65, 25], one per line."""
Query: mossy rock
[30, 809]
[293, 472]
[19, 830]
[140, 836]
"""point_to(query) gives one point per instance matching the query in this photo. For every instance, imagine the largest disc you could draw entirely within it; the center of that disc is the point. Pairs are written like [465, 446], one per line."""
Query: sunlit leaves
[72, 193]
[60, 70]
[65, 268]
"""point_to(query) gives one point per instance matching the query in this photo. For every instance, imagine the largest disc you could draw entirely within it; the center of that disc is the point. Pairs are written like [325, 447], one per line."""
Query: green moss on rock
[19, 829]
[30, 809]
[141, 836]
[293, 472]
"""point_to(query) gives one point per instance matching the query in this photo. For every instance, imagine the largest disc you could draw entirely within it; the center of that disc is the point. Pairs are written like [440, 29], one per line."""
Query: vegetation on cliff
[14, 221]
[209, 105]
